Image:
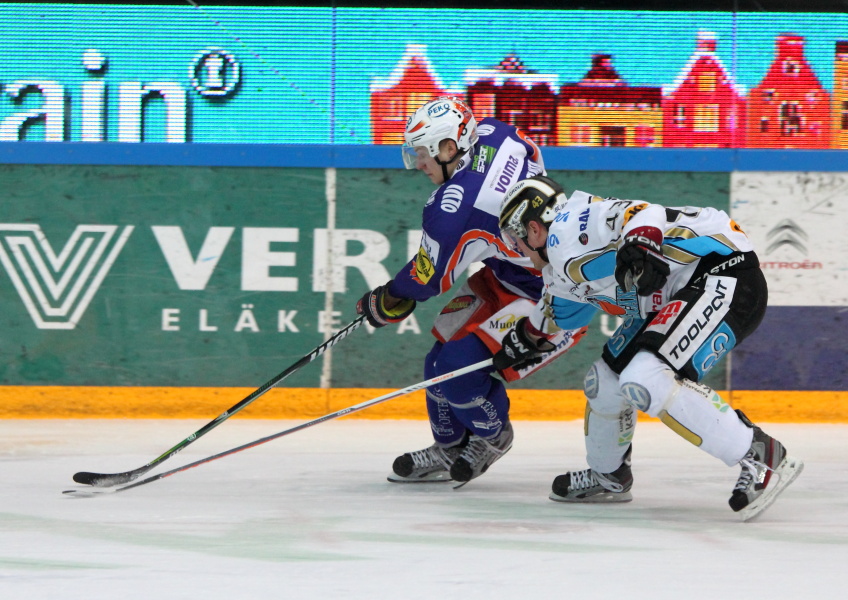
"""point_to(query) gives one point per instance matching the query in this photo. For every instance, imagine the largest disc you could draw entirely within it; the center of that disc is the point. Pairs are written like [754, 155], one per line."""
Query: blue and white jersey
[585, 236]
[460, 221]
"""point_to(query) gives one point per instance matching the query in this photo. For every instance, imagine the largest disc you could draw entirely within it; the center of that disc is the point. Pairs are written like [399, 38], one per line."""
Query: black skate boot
[589, 486]
[424, 466]
[757, 486]
[480, 453]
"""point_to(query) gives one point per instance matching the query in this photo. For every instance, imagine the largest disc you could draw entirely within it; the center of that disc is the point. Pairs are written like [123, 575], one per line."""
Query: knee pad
[602, 389]
[648, 384]
[591, 385]
[637, 396]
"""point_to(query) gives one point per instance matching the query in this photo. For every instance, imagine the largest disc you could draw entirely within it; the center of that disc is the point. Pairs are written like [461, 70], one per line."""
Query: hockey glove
[373, 306]
[519, 350]
[640, 261]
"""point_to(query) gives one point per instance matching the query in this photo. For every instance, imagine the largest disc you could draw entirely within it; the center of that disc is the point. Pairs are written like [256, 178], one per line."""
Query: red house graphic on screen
[602, 110]
[516, 95]
[412, 83]
[704, 108]
[790, 108]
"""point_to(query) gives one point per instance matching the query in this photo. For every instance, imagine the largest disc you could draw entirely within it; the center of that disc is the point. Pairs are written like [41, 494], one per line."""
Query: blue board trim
[388, 157]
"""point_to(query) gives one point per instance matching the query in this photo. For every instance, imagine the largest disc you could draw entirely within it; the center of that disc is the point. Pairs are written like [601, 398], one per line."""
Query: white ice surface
[311, 515]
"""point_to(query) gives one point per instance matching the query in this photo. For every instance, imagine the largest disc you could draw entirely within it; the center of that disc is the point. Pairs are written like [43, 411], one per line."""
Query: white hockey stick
[89, 492]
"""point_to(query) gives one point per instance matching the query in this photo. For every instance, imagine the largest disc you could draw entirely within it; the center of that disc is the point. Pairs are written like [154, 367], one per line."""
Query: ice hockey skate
[431, 464]
[589, 486]
[479, 455]
[756, 489]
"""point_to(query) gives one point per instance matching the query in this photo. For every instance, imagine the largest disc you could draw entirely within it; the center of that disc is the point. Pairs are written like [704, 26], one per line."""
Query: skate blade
[441, 477]
[605, 498]
[787, 472]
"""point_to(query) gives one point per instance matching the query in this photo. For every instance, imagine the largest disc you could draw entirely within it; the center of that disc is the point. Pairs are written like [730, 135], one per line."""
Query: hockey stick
[88, 493]
[110, 479]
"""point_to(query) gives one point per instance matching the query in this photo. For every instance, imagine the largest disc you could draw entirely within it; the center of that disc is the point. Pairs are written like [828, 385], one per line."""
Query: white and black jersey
[694, 319]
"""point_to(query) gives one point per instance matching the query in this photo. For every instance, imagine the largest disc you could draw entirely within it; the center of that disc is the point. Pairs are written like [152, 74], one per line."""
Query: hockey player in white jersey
[688, 285]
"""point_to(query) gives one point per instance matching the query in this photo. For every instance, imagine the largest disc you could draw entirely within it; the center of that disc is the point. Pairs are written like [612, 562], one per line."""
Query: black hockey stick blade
[91, 493]
[112, 479]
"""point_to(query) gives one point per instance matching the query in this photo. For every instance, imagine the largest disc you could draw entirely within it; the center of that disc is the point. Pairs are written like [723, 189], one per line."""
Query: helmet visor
[510, 238]
[413, 154]
[512, 228]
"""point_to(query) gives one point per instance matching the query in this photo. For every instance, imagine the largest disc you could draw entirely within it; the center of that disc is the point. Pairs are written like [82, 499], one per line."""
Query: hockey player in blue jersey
[473, 166]
[687, 283]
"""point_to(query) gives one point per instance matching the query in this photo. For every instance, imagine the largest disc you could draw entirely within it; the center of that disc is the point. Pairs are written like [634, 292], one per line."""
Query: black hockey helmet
[532, 199]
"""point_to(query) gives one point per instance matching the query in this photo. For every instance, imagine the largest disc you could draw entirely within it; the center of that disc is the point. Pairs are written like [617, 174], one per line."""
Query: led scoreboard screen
[321, 75]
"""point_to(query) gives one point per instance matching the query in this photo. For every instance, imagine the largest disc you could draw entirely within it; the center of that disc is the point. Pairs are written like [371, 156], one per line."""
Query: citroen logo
[787, 232]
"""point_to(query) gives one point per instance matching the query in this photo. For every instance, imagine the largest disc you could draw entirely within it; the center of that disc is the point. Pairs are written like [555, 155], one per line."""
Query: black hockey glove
[518, 349]
[372, 305]
[640, 261]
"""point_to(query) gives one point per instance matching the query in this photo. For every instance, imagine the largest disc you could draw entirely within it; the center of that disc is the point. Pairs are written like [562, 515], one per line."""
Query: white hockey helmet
[445, 118]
